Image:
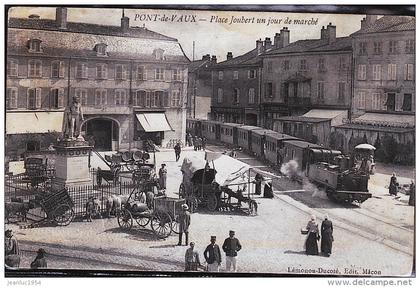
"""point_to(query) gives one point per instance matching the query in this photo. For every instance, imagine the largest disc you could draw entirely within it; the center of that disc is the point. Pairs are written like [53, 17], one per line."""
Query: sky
[212, 31]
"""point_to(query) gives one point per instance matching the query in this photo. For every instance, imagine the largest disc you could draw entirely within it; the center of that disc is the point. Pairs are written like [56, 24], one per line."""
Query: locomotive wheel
[63, 215]
[253, 207]
[175, 225]
[212, 202]
[142, 221]
[125, 219]
[161, 224]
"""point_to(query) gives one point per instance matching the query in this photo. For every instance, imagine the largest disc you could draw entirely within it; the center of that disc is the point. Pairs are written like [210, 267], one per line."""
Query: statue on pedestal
[73, 118]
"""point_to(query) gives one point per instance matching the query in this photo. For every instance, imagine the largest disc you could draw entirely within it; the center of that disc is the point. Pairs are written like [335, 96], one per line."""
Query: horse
[20, 209]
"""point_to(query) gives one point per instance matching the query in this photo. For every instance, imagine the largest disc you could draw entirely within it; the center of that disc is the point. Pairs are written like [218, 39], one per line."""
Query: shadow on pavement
[306, 198]
[138, 234]
[295, 252]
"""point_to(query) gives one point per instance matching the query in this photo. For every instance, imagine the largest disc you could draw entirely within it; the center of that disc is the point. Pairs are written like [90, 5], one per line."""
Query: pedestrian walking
[200, 143]
[195, 143]
[258, 180]
[393, 185]
[204, 143]
[162, 176]
[40, 260]
[11, 249]
[326, 236]
[213, 256]
[412, 198]
[268, 190]
[231, 246]
[190, 139]
[192, 259]
[311, 244]
[184, 224]
[177, 149]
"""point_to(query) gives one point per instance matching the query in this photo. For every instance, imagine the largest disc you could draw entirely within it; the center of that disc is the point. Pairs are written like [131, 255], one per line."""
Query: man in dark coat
[177, 149]
[326, 236]
[204, 142]
[212, 255]
[412, 198]
[184, 224]
[393, 185]
[231, 246]
[40, 261]
[268, 190]
[11, 250]
[162, 176]
[258, 180]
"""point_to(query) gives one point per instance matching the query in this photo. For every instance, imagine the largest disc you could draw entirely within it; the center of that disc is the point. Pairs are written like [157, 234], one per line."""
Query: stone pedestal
[71, 164]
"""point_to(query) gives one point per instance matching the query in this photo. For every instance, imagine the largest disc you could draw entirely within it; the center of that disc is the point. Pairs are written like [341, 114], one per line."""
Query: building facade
[122, 75]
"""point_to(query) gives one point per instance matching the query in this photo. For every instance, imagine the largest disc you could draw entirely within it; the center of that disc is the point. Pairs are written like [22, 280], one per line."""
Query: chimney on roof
[229, 56]
[323, 33]
[282, 39]
[259, 46]
[331, 33]
[213, 59]
[267, 43]
[206, 57]
[61, 17]
[368, 21]
[125, 23]
[33, 16]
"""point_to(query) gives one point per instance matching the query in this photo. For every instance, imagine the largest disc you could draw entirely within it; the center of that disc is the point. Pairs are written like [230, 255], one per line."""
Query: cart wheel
[181, 191]
[63, 215]
[142, 221]
[192, 204]
[253, 207]
[212, 202]
[125, 219]
[161, 224]
[175, 225]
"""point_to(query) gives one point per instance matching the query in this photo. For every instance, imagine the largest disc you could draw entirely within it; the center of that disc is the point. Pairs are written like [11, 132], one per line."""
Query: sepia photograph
[209, 141]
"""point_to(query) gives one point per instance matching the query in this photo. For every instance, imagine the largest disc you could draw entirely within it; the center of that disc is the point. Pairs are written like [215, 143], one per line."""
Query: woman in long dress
[311, 244]
[326, 236]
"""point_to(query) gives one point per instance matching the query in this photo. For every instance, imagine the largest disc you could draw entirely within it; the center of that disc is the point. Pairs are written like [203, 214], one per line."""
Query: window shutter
[398, 102]
[61, 71]
[60, 102]
[165, 99]
[166, 75]
[38, 98]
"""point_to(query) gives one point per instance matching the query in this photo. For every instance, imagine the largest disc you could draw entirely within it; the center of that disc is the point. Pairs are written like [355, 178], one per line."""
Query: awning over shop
[34, 122]
[336, 116]
[386, 119]
[153, 122]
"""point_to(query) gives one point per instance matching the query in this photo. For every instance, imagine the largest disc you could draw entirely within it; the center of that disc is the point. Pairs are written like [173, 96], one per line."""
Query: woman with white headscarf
[311, 244]
[327, 236]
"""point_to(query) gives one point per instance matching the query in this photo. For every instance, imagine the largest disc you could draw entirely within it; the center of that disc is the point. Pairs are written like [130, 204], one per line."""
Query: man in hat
[192, 259]
[162, 176]
[231, 246]
[40, 261]
[11, 250]
[177, 149]
[184, 220]
[212, 255]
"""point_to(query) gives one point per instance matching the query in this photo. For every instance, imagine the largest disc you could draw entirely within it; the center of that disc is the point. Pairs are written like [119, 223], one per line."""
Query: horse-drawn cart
[58, 207]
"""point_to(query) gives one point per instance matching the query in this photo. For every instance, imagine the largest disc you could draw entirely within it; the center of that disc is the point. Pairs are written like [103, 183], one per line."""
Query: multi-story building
[132, 82]
[236, 86]
[199, 87]
[304, 75]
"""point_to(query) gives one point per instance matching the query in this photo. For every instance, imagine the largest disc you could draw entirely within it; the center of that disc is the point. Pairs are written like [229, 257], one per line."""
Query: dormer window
[35, 46]
[101, 49]
[159, 54]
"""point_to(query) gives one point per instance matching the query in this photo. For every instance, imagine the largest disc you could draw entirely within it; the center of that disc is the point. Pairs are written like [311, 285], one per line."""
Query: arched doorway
[102, 133]
[251, 119]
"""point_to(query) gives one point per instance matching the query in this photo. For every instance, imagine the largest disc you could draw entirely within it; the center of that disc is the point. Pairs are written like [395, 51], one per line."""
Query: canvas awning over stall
[153, 122]
[33, 122]
[387, 119]
[336, 116]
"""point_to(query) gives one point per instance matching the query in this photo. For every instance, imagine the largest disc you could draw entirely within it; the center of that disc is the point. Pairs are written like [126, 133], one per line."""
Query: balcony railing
[296, 101]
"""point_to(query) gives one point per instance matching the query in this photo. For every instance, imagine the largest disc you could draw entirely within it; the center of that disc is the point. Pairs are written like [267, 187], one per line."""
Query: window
[56, 98]
[154, 98]
[176, 75]
[236, 96]
[408, 72]
[321, 91]
[12, 68]
[219, 95]
[341, 91]
[120, 98]
[390, 102]
[362, 48]
[147, 100]
[392, 72]
[269, 66]
[377, 48]
[235, 75]
[100, 49]
[252, 74]
[164, 98]
[342, 63]
[220, 75]
[251, 96]
[303, 65]
[100, 97]
[57, 69]
[34, 98]
[34, 67]
[377, 102]
[176, 99]
[286, 65]
[393, 47]
[82, 95]
[35, 46]
[361, 100]
[377, 72]
[11, 98]
[159, 54]
[141, 73]
[321, 65]
[120, 72]
[269, 90]
[407, 102]
[101, 71]
[361, 72]
[409, 46]
[159, 73]
[81, 71]
[139, 98]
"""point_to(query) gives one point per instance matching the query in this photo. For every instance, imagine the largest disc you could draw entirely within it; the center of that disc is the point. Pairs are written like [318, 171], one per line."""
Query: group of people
[268, 186]
[212, 255]
[393, 189]
[313, 236]
[12, 253]
[198, 142]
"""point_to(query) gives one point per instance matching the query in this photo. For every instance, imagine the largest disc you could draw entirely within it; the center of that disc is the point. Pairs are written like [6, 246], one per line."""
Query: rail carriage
[194, 126]
[210, 130]
[259, 141]
[245, 136]
[229, 133]
[275, 145]
[295, 150]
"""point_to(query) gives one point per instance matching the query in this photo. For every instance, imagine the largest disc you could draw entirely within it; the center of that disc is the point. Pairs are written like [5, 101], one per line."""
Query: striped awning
[33, 122]
[153, 122]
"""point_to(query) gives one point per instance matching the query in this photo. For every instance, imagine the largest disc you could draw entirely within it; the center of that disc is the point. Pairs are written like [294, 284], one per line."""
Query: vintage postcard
[210, 141]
